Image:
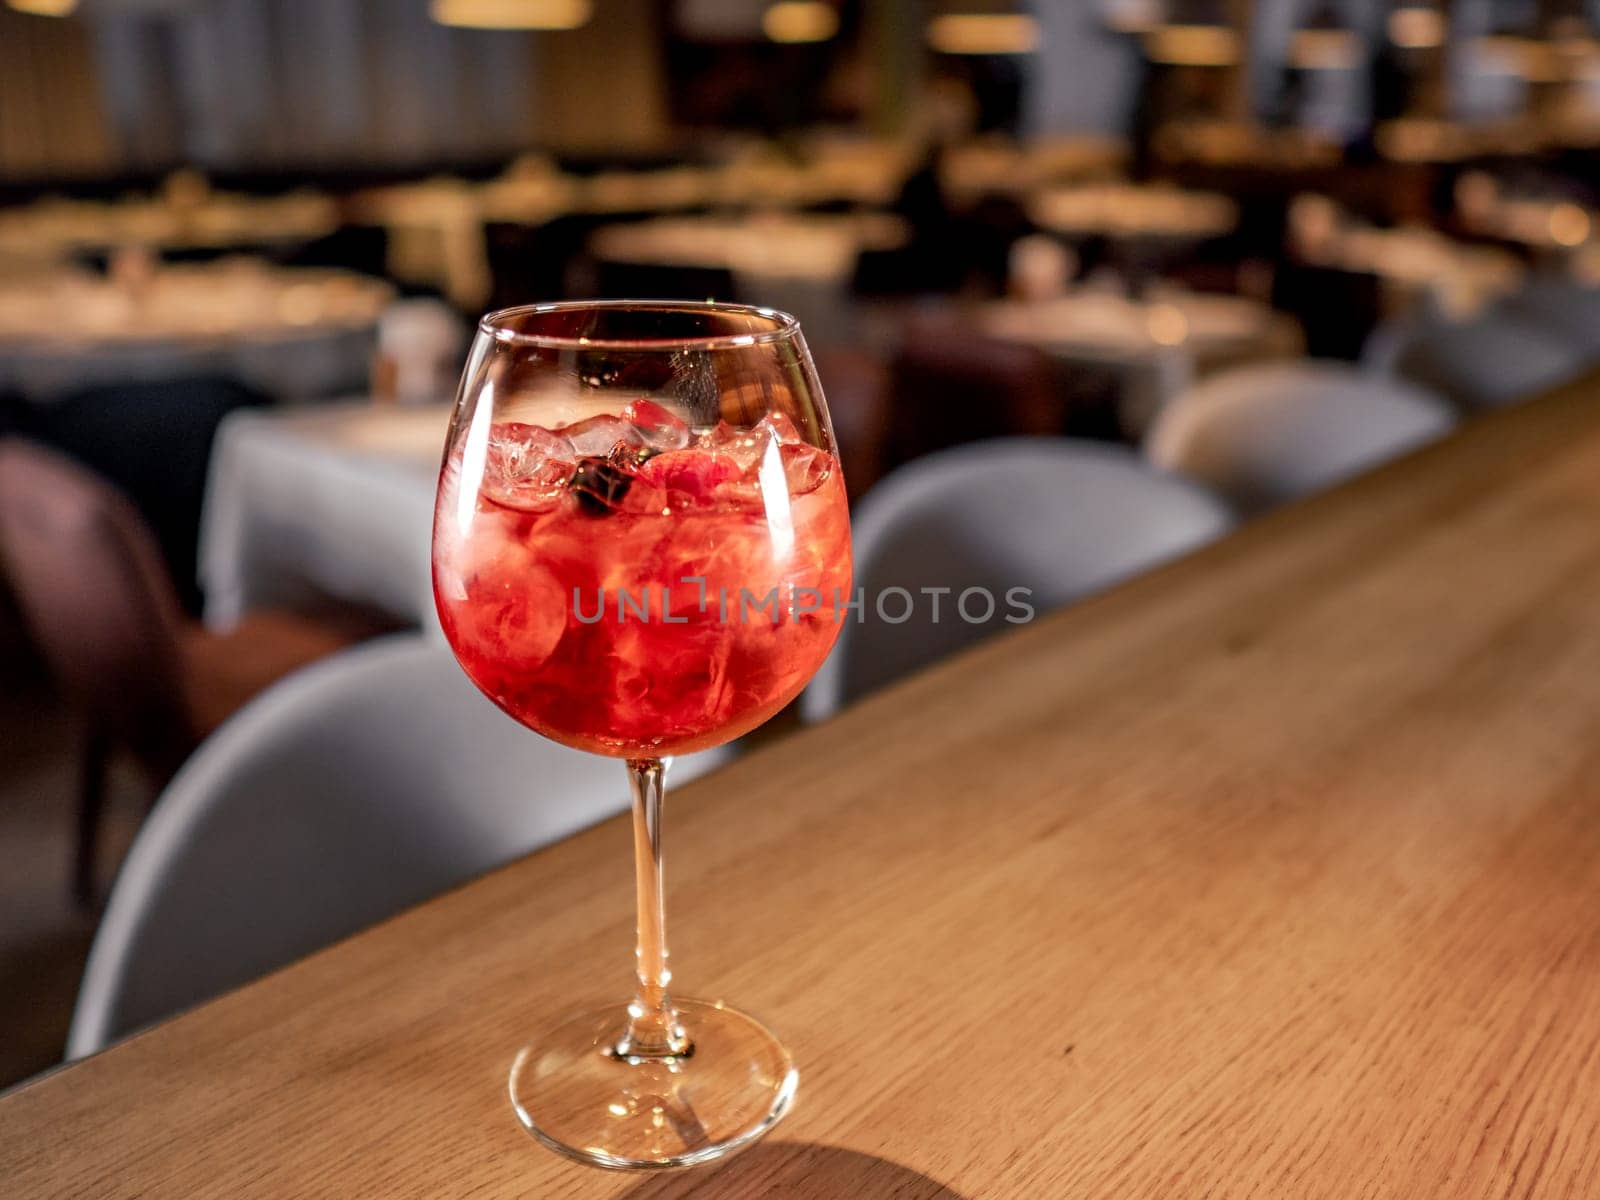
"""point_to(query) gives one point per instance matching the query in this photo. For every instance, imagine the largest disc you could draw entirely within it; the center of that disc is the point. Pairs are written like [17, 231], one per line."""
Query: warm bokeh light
[800, 21]
[1167, 324]
[513, 14]
[44, 8]
[1193, 45]
[1325, 50]
[1132, 16]
[984, 33]
[1416, 28]
[1569, 225]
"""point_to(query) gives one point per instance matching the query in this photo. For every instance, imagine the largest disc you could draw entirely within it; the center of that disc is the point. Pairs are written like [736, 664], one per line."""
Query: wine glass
[642, 548]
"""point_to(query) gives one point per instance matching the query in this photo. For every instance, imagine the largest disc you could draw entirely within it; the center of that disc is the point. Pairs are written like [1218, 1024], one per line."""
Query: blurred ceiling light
[984, 33]
[1324, 50]
[43, 8]
[1416, 28]
[512, 14]
[800, 21]
[1192, 45]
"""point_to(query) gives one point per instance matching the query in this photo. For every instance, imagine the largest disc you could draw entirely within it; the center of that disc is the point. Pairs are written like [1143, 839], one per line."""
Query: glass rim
[784, 325]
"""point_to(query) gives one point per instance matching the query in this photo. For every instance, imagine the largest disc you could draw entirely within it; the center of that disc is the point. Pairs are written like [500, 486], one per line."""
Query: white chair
[1059, 517]
[1264, 434]
[1499, 358]
[363, 784]
[420, 344]
[1566, 307]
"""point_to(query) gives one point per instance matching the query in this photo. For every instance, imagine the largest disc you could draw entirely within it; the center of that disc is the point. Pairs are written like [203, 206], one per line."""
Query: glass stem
[654, 1030]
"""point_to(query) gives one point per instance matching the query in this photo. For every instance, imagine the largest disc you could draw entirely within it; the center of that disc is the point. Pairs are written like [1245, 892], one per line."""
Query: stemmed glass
[642, 548]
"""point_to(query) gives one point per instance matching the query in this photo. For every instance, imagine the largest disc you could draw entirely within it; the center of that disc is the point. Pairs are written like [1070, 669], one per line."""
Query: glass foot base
[577, 1097]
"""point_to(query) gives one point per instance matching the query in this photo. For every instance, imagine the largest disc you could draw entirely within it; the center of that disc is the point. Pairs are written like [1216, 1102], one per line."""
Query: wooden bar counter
[1274, 874]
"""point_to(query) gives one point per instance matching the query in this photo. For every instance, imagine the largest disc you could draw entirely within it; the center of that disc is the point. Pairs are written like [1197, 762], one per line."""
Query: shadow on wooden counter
[799, 1170]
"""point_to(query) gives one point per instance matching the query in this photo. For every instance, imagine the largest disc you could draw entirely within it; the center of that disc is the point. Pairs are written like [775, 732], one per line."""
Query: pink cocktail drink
[632, 587]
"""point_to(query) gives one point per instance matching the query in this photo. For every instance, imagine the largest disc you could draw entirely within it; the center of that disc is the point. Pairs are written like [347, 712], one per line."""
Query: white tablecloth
[766, 244]
[200, 219]
[292, 333]
[1159, 345]
[800, 264]
[332, 503]
[1414, 263]
[1133, 211]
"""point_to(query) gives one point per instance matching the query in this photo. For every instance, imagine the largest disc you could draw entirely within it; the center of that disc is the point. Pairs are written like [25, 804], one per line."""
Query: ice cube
[742, 448]
[514, 609]
[739, 453]
[658, 427]
[526, 467]
[783, 429]
[598, 436]
[805, 467]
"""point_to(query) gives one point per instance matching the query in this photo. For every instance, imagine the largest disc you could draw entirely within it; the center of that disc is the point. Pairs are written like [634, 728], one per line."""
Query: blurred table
[1203, 142]
[800, 263]
[821, 170]
[1525, 136]
[1544, 221]
[1159, 344]
[189, 217]
[332, 504]
[436, 226]
[292, 333]
[1414, 263]
[772, 244]
[1003, 167]
[1433, 140]
[1132, 212]
[434, 233]
[1272, 873]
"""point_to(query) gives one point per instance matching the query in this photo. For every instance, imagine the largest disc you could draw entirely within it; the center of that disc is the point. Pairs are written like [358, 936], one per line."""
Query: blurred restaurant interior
[1206, 258]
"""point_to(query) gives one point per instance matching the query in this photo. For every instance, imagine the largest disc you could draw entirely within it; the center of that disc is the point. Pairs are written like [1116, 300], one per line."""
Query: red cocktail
[629, 587]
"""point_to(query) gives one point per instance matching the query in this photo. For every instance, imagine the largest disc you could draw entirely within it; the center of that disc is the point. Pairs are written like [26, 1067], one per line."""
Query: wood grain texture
[1273, 874]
